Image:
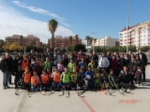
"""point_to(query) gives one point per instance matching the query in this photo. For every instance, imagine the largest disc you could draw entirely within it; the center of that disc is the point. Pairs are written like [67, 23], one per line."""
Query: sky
[95, 18]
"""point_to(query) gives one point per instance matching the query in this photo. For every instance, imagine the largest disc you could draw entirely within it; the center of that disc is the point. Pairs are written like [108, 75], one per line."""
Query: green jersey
[47, 65]
[93, 66]
[66, 77]
[71, 66]
[98, 78]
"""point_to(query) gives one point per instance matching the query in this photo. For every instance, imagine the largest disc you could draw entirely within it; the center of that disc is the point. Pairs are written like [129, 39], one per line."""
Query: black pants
[27, 86]
[143, 76]
[45, 87]
[18, 79]
[10, 80]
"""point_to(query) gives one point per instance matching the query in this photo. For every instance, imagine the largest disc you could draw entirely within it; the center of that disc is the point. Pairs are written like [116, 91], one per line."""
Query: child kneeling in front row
[35, 82]
[27, 78]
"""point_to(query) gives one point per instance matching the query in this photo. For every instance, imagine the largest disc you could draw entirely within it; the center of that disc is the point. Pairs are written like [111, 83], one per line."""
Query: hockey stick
[107, 88]
[63, 89]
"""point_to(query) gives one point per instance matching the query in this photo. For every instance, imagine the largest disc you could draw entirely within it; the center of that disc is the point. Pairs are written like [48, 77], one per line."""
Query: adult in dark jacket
[6, 67]
[122, 61]
[17, 70]
[115, 66]
[49, 54]
[143, 59]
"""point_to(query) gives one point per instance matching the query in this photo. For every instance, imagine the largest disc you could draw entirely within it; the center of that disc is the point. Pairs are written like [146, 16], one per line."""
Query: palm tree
[77, 38]
[52, 24]
[70, 40]
[21, 39]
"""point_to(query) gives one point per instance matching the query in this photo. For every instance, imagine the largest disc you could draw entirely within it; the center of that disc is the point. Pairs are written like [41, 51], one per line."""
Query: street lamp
[93, 41]
[24, 50]
[128, 11]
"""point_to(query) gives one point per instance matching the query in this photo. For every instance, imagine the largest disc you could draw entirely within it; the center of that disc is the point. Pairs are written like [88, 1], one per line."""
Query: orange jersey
[27, 77]
[35, 80]
[25, 63]
[45, 79]
[56, 77]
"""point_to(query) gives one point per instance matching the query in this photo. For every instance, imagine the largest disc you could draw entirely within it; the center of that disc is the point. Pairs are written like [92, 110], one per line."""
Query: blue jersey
[89, 74]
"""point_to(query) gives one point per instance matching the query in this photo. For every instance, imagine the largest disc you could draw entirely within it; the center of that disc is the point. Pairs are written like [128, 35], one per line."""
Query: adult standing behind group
[143, 59]
[81, 56]
[7, 68]
[103, 62]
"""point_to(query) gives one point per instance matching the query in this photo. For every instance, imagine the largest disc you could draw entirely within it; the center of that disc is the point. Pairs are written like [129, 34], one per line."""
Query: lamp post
[128, 11]
[24, 50]
[93, 41]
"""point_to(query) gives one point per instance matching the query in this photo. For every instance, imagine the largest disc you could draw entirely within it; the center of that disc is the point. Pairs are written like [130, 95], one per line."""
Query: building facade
[63, 42]
[106, 41]
[22, 40]
[138, 35]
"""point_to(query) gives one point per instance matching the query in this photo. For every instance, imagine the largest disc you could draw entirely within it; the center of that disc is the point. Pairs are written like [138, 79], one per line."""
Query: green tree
[13, 47]
[1, 45]
[78, 47]
[77, 38]
[132, 48]
[52, 24]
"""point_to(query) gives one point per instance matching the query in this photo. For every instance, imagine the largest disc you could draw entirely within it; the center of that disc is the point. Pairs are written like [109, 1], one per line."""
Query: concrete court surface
[137, 100]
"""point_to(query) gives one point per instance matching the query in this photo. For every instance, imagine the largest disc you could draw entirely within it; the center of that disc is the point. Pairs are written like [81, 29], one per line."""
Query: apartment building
[63, 42]
[105, 41]
[138, 35]
[22, 40]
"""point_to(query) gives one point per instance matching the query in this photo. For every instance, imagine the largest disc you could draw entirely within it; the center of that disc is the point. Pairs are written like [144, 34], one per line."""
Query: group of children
[77, 77]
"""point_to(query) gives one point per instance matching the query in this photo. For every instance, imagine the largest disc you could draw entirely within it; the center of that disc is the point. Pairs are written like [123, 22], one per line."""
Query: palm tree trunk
[52, 41]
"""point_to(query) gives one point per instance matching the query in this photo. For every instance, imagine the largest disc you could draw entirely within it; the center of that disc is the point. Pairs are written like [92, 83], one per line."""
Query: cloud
[41, 11]
[14, 22]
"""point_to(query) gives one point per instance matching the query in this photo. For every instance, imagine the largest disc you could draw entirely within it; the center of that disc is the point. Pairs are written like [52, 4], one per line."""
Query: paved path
[136, 101]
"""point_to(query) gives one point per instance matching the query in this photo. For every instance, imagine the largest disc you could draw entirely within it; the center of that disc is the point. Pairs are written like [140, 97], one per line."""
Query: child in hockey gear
[56, 75]
[45, 80]
[124, 79]
[35, 82]
[113, 79]
[56, 84]
[71, 65]
[25, 63]
[27, 78]
[65, 77]
[92, 64]
[138, 76]
[47, 64]
[105, 82]
[65, 81]
[89, 78]
[82, 64]
[80, 78]
[60, 66]
[98, 79]
[74, 78]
